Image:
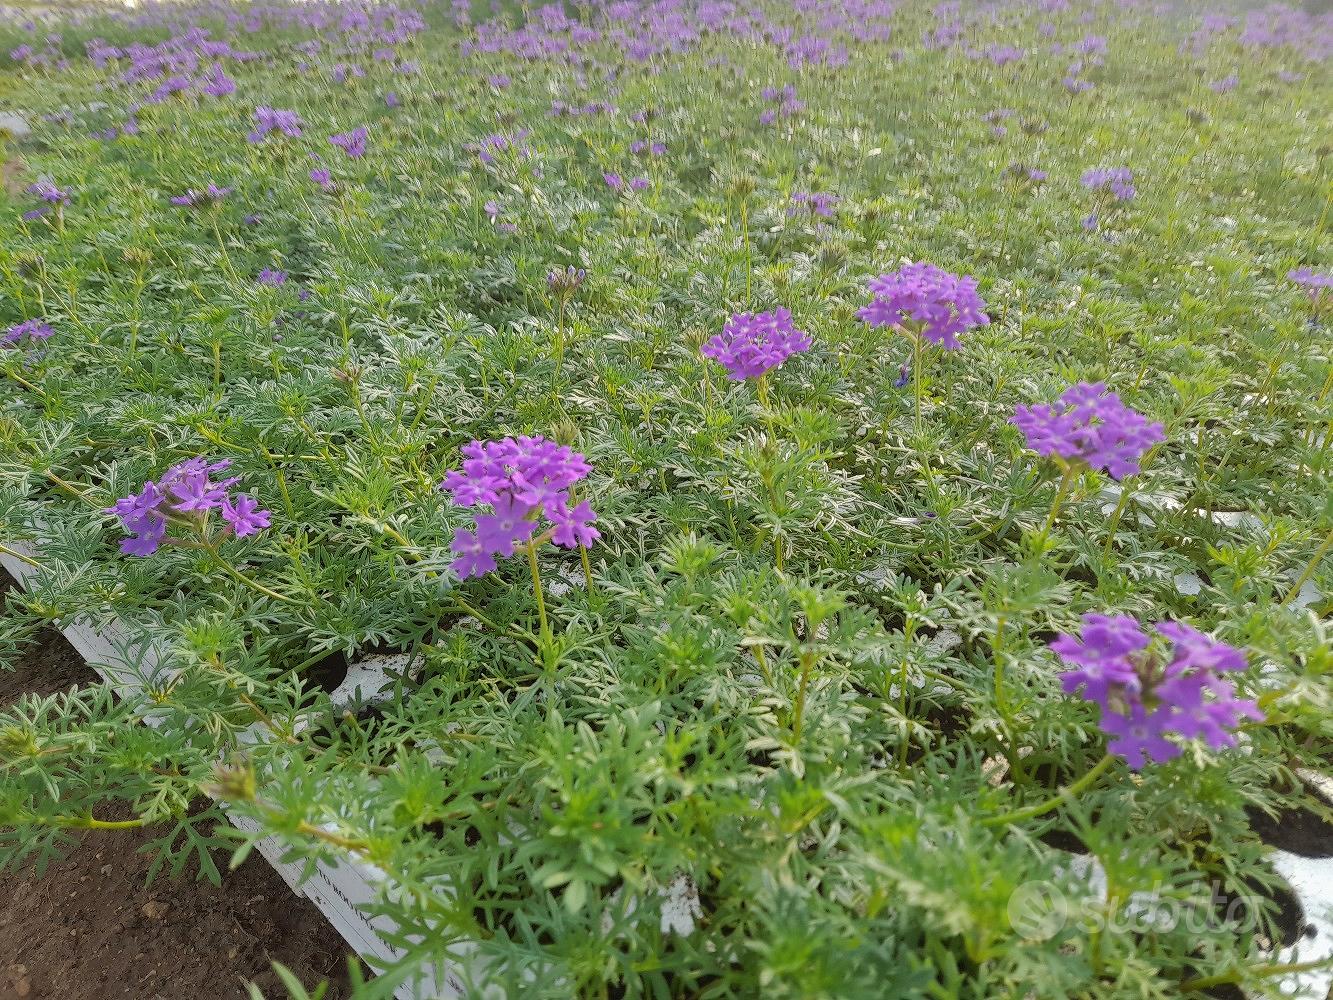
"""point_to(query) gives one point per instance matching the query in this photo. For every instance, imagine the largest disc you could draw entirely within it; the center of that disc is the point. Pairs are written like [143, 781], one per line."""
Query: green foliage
[814, 756]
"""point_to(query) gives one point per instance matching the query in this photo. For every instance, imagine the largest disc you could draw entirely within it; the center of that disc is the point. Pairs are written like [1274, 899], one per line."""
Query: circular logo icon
[1037, 910]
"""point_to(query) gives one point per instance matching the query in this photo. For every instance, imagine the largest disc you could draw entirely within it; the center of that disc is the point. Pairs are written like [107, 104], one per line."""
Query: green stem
[27, 560]
[537, 592]
[1066, 483]
[587, 567]
[1068, 792]
[798, 713]
[89, 823]
[1310, 568]
[1254, 972]
[745, 235]
[916, 378]
[240, 577]
[1116, 514]
[25, 383]
[226, 258]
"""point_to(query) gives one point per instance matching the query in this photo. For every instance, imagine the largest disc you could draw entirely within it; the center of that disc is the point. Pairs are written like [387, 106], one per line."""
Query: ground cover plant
[830, 465]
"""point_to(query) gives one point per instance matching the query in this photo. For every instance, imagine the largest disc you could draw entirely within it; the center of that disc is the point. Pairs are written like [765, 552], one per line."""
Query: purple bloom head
[185, 494]
[244, 515]
[323, 177]
[352, 143]
[926, 299]
[493, 147]
[271, 277]
[520, 479]
[268, 119]
[565, 283]
[29, 330]
[1090, 426]
[751, 344]
[217, 83]
[48, 193]
[211, 195]
[1119, 181]
[614, 181]
[1317, 283]
[819, 203]
[1146, 696]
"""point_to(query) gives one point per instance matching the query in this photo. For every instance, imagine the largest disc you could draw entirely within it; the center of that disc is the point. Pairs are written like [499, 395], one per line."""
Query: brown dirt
[91, 928]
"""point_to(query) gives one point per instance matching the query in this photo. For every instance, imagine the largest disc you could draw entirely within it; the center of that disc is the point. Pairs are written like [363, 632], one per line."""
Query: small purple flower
[29, 330]
[923, 298]
[819, 203]
[1311, 280]
[520, 479]
[492, 147]
[1144, 697]
[1089, 426]
[1318, 284]
[352, 143]
[268, 119]
[244, 515]
[217, 83]
[391, 100]
[48, 193]
[323, 177]
[639, 183]
[565, 283]
[271, 277]
[614, 182]
[1225, 85]
[752, 344]
[186, 493]
[1117, 180]
[211, 195]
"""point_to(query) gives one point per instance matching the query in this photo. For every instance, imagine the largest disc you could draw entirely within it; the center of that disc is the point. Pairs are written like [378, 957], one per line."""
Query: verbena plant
[829, 465]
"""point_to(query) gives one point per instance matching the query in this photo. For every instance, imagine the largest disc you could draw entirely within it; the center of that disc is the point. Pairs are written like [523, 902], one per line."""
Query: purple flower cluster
[1146, 698]
[996, 119]
[29, 330]
[926, 299]
[51, 195]
[751, 344]
[565, 283]
[185, 494]
[217, 83]
[1119, 181]
[1090, 426]
[1310, 279]
[786, 104]
[268, 119]
[492, 147]
[271, 277]
[520, 479]
[323, 177]
[1022, 174]
[617, 183]
[352, 143]
[211, 195]
[641, 146]
[815, 202]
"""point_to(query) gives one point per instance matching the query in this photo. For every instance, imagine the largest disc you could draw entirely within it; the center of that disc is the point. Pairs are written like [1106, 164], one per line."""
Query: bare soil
[92, 928]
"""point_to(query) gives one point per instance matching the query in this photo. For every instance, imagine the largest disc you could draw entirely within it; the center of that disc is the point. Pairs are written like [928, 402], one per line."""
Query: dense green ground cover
[804, 672]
